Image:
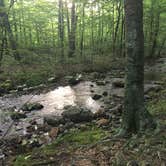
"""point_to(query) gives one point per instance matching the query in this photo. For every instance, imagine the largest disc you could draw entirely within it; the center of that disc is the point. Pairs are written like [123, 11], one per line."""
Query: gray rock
[77, 114]
[54, 120]
[51, 80]
[152, 87]
[96, 97]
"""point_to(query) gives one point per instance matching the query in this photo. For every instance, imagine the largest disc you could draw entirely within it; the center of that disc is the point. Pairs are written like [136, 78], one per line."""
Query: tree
[135, 115]
[5, 24]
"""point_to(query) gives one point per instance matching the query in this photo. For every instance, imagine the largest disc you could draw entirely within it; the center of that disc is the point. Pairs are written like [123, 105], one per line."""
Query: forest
[82, 82]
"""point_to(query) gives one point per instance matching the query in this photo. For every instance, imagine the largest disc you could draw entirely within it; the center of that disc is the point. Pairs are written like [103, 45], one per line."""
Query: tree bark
[5, 22]
[135, 115]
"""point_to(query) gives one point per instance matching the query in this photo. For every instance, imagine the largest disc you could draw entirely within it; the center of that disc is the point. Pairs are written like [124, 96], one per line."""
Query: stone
[102, 122]
[54, 120]
[77, 114]
[100, 83]
[151, 87]
[118, 82]
[17, 115]
[21, 87]
[74, 80]
[99, 113]
[96, 97]
[105, 93]
[32, 106]
[51, 80]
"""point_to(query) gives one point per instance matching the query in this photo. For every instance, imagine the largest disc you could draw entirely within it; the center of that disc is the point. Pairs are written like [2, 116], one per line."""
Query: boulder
[77, 114]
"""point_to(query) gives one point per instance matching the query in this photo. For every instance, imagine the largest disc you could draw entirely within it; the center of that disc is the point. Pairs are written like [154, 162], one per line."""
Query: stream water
[55, 101]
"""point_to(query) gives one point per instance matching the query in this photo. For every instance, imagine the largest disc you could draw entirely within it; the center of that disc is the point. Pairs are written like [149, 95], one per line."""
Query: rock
[100, 83]
[31, 106]
[68, 125]
[102, 122]
[21, 87]
[77, 114]
[74, 80]
[54, 120]
[99, 113]
[105, 93]
[30, 129]
[54, 132]
[96, 97]
[51, 80]
[152, 87]
[118, 82]
[6, 86]
[13, 91]
[17, 115]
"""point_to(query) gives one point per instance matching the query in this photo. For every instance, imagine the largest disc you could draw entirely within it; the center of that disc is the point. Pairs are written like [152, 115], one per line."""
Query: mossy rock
[6, 86]
[32, 106]
[17, 115]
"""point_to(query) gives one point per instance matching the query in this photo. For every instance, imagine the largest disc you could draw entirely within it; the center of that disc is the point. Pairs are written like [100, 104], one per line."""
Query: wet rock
[17, 115]
[31, 106]
[102, 122]
[54, 120]
[118, 82]
[21, 87]
[96, 97]
[74, 80]
[77, 114]
[51, 80]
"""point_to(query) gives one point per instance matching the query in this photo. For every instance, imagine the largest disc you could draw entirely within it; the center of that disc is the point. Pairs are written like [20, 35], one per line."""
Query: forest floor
[94, 143]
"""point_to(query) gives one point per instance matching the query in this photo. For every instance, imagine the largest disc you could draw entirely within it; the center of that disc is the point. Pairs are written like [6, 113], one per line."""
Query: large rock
[54, 120]
[77, 114]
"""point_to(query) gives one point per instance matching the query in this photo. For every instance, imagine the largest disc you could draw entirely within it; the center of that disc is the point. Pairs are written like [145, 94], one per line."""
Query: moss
[69, 141]
[157, 108]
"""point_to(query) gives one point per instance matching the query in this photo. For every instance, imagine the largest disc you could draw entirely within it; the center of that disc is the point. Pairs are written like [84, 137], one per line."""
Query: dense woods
[82, 82]
[79, 28]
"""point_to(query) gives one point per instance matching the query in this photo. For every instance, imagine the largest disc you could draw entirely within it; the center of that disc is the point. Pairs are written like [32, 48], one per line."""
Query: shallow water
[53, 102]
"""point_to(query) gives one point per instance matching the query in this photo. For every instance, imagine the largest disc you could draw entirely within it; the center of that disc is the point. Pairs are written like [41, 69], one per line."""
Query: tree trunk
[135, 116]
[61, 29]
[6, 24]
[72, 34]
